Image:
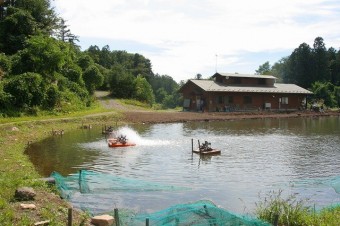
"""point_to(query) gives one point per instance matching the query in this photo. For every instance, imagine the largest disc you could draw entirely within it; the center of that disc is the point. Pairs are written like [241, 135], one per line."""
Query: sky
[183, 38]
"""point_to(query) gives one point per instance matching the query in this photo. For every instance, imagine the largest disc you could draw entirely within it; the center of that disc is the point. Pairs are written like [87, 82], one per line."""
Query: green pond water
[300, 156]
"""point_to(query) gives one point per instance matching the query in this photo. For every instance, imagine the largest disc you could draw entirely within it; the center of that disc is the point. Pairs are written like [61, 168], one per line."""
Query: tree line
[43, 68]
[314, 68]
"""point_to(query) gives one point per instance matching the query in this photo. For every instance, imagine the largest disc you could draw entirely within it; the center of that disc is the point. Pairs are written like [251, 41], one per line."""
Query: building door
[198, 103]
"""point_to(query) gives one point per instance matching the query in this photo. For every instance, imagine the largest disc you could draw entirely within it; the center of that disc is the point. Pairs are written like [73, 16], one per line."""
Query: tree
[264, 69]
[52, 97]
[63, 33]
[140, 66]
[15, 29]
[280, 70]
[105, 57]
[324, 91]
[43, 55]
[300, 66]
[121, 82]
[5, 99]
[5, 65]
[23, 18]
[74, 73]
[160, 94]
[143, 90]
[94, 53]
[26, 90]
[321, 69]
[92, 78]
[336, 72]
[42, 13]
[332, 65]
[85, 61]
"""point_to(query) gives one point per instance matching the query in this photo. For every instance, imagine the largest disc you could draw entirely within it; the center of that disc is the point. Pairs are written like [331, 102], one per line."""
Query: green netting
[335, 183]
[86, 181]
[199, 213]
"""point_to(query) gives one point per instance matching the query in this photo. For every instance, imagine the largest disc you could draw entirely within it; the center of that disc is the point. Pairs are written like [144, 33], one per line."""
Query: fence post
[276, 220]
[116, 217]
[69, 219]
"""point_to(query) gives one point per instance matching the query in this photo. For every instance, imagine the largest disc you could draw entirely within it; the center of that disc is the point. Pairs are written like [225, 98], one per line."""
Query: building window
[237, 80]
[229, 99]
[247, 100]
[219, 99]
[284, 100]
[261, 81]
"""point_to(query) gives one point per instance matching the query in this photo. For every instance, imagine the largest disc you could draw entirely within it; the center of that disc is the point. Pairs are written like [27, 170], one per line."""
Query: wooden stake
[69, 219]
[192, 145]
[116, 217]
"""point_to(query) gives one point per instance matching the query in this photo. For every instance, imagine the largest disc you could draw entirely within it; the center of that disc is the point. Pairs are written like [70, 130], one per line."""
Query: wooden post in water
[192, 145]
[79, 182]
[147, 222]
[199, 146]
[116, 217]
[69, 218]
[192, 149]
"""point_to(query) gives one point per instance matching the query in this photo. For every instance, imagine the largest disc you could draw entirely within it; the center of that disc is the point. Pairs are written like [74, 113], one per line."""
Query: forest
[42, 69]
[314, 68]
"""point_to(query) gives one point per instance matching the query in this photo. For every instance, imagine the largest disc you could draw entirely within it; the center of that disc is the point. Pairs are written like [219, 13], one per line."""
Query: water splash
[134, 137]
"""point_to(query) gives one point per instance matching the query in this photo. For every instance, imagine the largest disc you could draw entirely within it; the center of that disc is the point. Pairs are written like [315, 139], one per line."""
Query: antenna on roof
[216, 64]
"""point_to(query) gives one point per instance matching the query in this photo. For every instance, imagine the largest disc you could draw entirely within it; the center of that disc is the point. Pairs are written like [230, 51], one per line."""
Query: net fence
[86, 181]
[91, 191]
[200, 213]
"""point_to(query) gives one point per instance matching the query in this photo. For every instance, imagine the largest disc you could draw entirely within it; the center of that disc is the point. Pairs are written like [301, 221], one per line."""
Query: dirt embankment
[167, 117]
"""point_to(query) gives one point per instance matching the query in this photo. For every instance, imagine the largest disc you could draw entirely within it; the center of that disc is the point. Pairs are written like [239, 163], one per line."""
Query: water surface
[300, 155]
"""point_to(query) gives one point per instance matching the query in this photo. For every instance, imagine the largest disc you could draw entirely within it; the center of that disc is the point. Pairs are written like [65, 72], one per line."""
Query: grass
[294, 212]
[134, 103]
[96, 109]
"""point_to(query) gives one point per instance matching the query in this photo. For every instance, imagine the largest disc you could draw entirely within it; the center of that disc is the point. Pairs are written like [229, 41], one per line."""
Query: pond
[299, 156]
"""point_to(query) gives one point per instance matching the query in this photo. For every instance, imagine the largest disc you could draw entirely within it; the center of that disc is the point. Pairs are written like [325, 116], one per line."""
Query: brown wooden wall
[220, 101]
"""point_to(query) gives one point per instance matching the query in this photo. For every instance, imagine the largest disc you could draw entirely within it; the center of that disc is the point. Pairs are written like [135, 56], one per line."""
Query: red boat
[121, 141]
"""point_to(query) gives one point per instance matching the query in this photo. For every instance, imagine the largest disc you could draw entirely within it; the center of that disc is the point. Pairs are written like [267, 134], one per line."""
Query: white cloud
[190, 33]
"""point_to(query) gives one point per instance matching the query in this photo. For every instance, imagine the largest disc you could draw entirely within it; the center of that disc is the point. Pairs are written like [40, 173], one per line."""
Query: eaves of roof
[212, 86]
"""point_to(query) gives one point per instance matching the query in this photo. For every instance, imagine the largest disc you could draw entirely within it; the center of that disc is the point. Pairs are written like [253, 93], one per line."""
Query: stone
[15, 128]
[102, 220]
[42, 223]
[27, 206]
[25, 194]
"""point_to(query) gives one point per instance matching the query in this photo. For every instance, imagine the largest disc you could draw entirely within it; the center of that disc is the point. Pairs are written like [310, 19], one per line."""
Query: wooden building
[241, 92]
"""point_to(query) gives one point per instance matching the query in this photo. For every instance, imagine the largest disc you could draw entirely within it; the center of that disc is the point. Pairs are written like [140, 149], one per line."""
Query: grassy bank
[18, 171]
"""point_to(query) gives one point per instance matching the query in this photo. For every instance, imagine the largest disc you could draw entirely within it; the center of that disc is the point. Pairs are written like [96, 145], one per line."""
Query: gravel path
[107, 101]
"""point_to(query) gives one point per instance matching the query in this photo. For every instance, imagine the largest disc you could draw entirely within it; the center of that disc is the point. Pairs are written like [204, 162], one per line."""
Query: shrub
[27, 89]
[276, 209]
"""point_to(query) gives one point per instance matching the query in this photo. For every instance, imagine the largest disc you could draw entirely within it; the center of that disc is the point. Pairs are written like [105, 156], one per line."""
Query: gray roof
[245, 75]
[212, 86]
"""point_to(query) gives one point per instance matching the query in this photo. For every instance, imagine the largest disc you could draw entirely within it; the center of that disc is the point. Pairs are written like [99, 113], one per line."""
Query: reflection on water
[257, 156]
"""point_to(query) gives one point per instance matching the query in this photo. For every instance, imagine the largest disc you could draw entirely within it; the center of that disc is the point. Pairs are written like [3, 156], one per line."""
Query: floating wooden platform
[210, 152]
[118, 145]
[114, 143]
